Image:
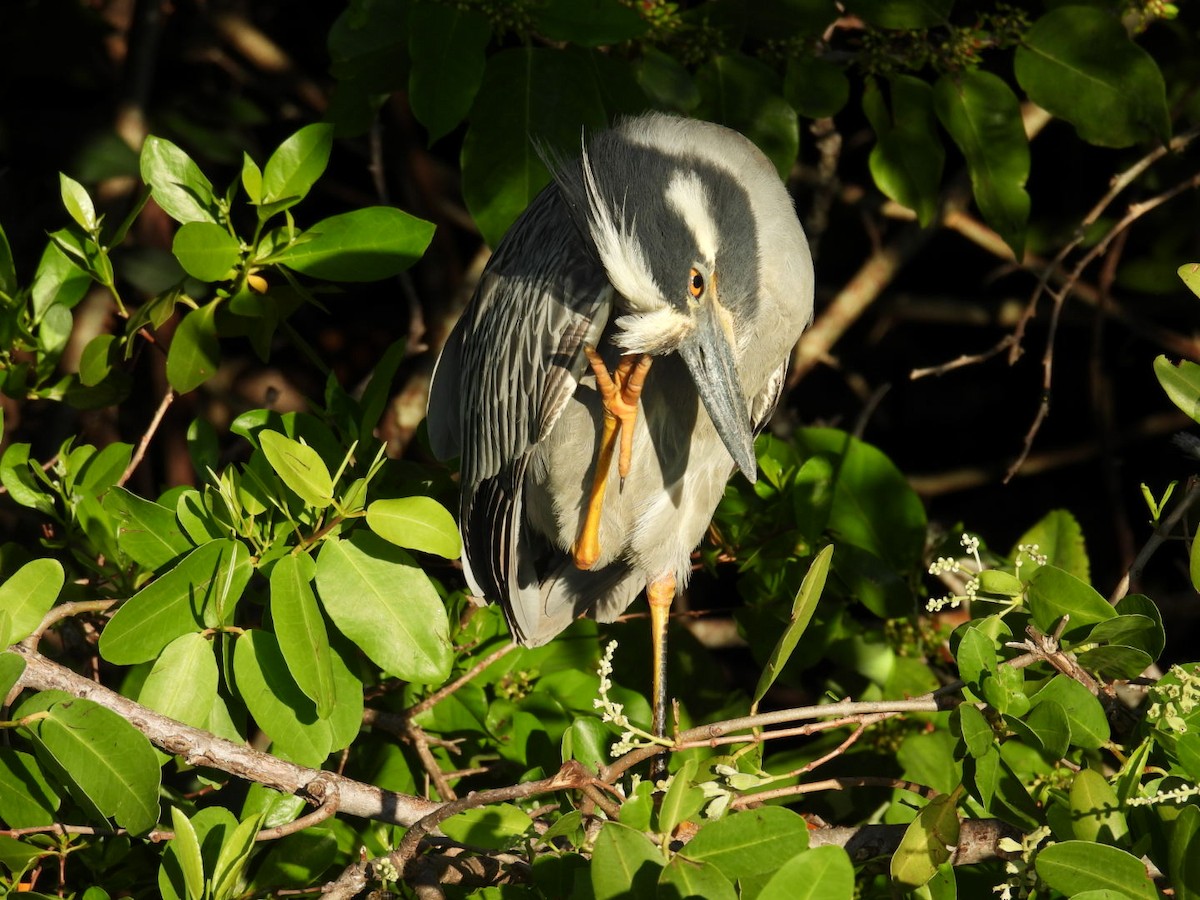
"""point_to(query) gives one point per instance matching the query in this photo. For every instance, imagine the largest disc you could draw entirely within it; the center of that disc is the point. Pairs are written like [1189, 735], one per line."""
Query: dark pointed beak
[709, 358]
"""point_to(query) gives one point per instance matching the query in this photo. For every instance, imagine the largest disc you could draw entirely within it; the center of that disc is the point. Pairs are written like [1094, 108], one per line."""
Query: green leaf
[12, 667]
[1183, 857]
[666, 81]
[207, 581]
[743, 93]
[1054, 593]
[749, 843]
[1058, 537]
[8, 271]
[301, 630]
[803, 606]
[231, 862]
[96, 361]
[903, 14]
[446, 45]
[1181, 381]
[682, 799]
[497, 826]
[296, 165]
[1079, 63]
[18, 479]
[1051, 725]
[927, 843]
[816, 89]
[378, 392]
[820, 873]
[252, 179]
[176, 183]
[977, 733]
[983, 117]
[183, 682]
[276, 701]
[587, 740]
[1115, 661]
[874, 507]
[27, 596]
[1089, 726]
[684, 878]
[529, 94]
[416, 523]
[364, 245]
[1076, 866]
[1189, 272]
[206, 251]
[588, 23]
[908, 156]
[77, 202]
[624, 864]
[187, 852]
[297, 860]
[385, 604]
[195, 353]
[148, 532]
[110, 760]
[57, 282]
[26, 798]
[1095, 810]
[299, 466]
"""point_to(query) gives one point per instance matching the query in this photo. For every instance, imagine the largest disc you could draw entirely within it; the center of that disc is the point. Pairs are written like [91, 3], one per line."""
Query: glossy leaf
[299, 466]
[976, 732]
[1052, 727]
[1076, 866]
[907, 159]
[820, 873]
[232, 860]
[1054, 593]
[1183, 856]
[1059, 538]
[416, 523]
[1190, 274]
[927, 843]
[530, 96]
[195, 352]
[109, 759]
[296, 165]
[1089, 726]
[384, 603]
[666, 81]
[183, 682]
[982, 115]
[297, 860]
[1079, 63]
[803, 606]
[276, 701]
[12, 667]
[683, 878]
[179, 601]
[187, 851]
[206, 251]
[1095, 810]
[176, 183]
[816, 89]
[18, 479]
[366, 244]
[148, 532]
[496, 826]
[57, 282]
[301, 630]
[1181, 381]
[26, 798]
[683, 800]
[8, 271]
[1115, 661]
[27, 596]
[96, 361]
[77, 202]
[750, 842]
[446, 45]
[745, 94]
[624, 864]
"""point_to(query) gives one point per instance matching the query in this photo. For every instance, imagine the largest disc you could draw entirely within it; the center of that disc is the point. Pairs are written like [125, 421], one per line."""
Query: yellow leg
[619, 393]
[661, 594]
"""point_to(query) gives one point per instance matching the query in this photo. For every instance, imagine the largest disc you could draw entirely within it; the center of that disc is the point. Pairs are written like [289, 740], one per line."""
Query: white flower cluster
[1022, 877]
[632, 737]
[1179, 795]
[1172, 702]
[1030, 551]
[946, 564]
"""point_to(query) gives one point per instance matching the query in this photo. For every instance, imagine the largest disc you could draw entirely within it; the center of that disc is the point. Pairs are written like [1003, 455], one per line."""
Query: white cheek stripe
[657, 332]
[687, 195]
[620, 252]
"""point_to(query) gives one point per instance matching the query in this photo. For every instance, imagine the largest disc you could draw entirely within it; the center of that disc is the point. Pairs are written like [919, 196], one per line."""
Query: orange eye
[696, 284]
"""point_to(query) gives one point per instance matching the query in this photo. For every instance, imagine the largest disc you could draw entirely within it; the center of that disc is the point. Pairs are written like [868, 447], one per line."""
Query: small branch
[136, 459]
[66, 611]
[324, 788]
[1156, 540]
[442, 693]
[832, 784]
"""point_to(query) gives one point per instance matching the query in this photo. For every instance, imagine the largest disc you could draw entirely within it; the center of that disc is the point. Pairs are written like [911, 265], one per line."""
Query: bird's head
[676, 236]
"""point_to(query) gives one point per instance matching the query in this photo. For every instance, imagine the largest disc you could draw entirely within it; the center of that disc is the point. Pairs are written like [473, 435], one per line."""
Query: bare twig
[832, 784]
[140, 452]
[323, 789]
[442, 693]
[1161, 533]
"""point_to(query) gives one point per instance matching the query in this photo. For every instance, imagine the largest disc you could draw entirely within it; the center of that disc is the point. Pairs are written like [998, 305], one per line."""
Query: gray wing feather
[508, 371]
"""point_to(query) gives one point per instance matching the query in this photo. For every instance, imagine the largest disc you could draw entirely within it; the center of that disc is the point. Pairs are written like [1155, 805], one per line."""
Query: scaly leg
[660, 593]
[619, 393]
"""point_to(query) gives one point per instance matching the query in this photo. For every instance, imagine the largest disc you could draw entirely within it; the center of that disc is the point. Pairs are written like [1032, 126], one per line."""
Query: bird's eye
[696, 284]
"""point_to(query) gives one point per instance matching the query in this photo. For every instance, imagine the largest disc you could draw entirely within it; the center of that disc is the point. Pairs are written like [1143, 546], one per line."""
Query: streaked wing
[509, 369]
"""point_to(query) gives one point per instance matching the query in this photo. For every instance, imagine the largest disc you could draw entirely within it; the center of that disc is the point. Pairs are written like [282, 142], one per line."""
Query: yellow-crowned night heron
[669, 240]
